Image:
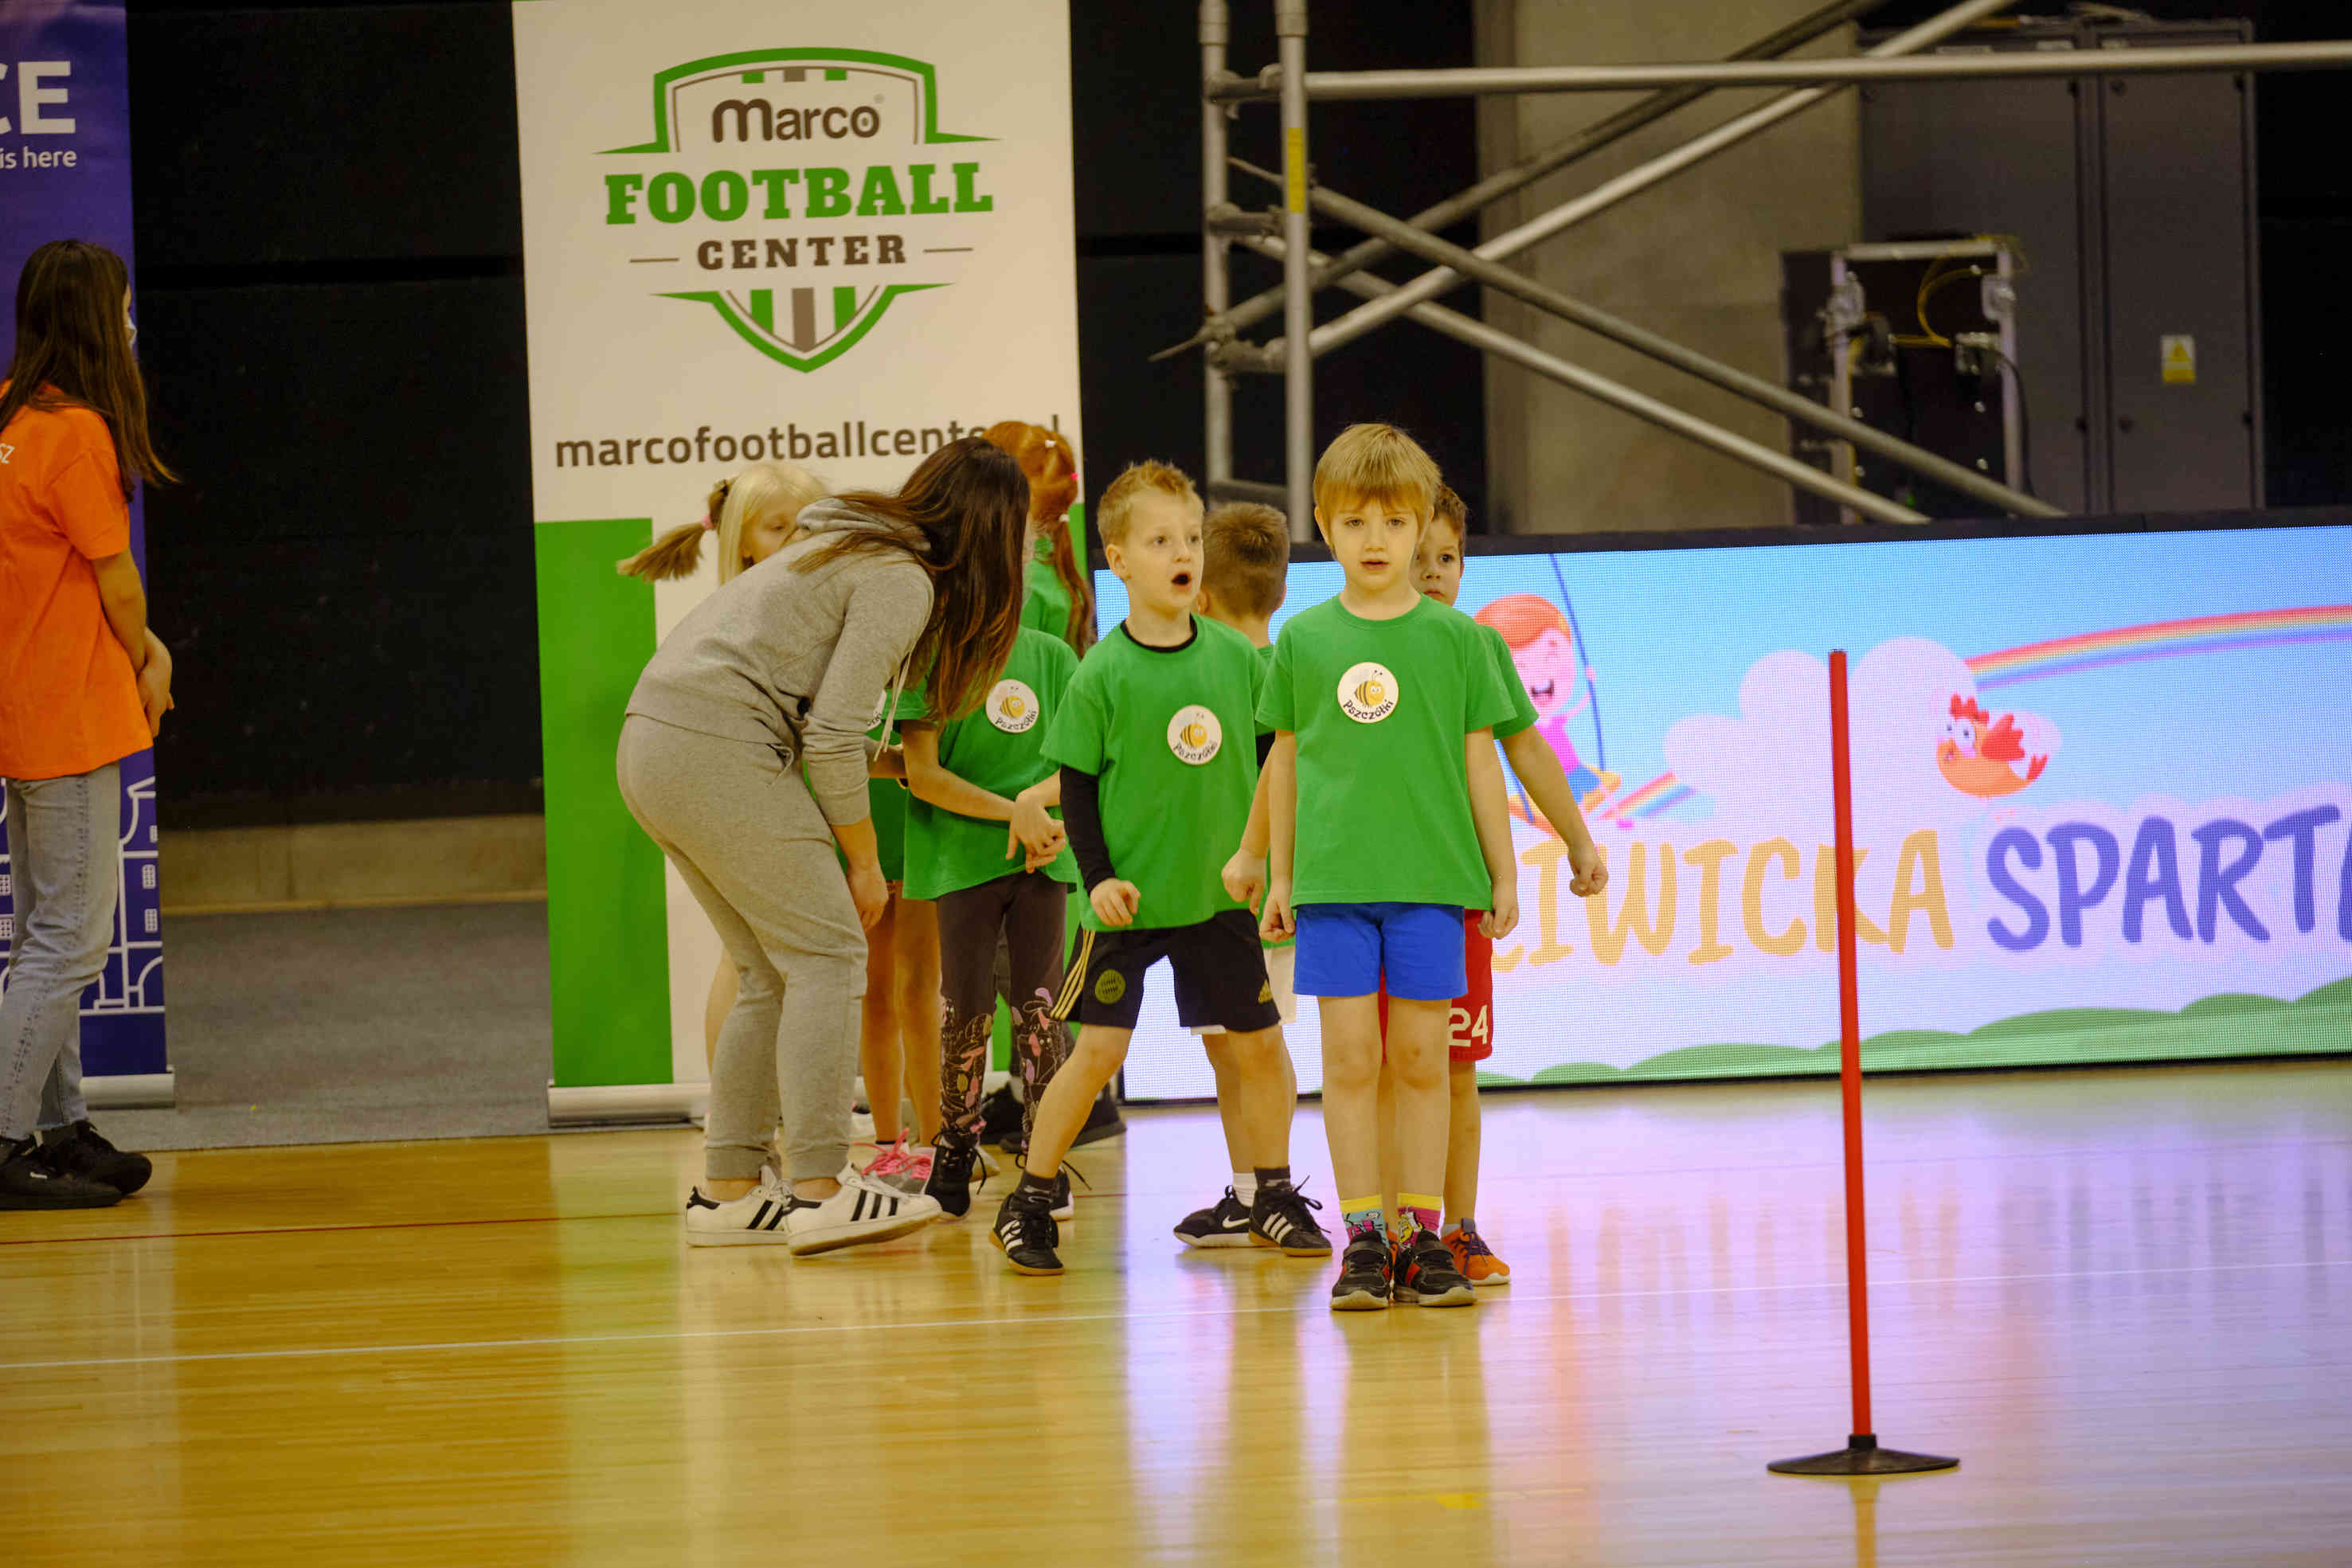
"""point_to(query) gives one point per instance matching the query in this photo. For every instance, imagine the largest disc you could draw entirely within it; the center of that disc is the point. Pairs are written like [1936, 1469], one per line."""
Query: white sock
[1245, 1188]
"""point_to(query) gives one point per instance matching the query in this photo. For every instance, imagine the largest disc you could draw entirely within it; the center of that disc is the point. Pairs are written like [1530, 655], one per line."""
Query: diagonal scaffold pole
[1633, 181]
[1780, 399]
[1591, 139]
[1501, 345]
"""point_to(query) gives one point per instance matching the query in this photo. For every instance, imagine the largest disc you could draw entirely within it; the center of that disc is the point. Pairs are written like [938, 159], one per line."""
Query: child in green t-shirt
[1470, 1022]
[971, 777]
[1383, 706]
[1246, 549]
[1155, 743]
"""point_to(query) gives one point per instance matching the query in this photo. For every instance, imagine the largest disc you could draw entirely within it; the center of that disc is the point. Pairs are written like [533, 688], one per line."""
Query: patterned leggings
[1027, 909]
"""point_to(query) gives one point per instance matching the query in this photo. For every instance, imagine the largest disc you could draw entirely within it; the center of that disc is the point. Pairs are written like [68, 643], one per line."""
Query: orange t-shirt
[68, 701]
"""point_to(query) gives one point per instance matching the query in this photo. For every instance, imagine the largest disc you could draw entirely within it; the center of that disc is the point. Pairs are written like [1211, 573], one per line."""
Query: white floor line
[685, 1335]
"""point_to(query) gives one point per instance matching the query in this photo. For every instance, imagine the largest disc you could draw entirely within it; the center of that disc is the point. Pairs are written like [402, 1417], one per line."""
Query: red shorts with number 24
[1470, 1024]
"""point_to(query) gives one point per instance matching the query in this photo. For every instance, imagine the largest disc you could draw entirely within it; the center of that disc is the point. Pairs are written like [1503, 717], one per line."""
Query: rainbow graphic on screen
[2090, 651]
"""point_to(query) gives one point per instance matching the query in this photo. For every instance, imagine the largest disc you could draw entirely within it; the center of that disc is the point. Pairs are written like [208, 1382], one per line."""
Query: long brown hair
[73, 350]
[1046, 457]
[958, 515]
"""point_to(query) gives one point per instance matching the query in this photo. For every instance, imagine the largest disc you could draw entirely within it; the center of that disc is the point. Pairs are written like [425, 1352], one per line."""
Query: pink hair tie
[708, 523]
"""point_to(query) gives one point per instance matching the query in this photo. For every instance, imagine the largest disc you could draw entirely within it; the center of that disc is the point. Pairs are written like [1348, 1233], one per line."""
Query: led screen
[2103, 796]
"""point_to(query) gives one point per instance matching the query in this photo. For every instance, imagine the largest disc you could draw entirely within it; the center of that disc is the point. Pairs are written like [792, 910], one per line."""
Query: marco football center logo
[804, 191]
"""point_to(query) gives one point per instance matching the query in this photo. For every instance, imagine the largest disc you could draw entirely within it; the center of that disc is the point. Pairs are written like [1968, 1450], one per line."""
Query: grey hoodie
[827, 644]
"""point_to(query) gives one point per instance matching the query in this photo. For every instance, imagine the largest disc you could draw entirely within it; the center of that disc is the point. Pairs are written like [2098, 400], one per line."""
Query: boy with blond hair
[1155, 742]
[1470, 1026]
[1244, 577]
[1388, 823]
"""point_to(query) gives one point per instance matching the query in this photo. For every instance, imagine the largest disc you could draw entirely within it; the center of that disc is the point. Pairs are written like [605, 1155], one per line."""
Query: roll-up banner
[2103, 806]
[839, 236]
[65, 173]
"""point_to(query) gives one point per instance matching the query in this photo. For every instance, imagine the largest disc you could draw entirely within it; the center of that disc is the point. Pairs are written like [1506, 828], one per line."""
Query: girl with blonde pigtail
[749, 517]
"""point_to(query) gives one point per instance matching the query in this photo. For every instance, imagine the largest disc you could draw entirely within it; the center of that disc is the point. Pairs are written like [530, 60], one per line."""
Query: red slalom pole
[1862, 1455]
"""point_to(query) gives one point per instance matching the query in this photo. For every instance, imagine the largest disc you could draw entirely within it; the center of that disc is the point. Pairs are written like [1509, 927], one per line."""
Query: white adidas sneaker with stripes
[867, 1208]
[863, 1210]
[755, 1218]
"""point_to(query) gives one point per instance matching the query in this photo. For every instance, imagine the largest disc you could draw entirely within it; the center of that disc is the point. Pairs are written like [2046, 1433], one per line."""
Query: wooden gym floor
[2123, 1298]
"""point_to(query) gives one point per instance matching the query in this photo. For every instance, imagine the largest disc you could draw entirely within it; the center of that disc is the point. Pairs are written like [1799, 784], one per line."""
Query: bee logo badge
[1012, 707]
[1368, 693]
[1194, 735]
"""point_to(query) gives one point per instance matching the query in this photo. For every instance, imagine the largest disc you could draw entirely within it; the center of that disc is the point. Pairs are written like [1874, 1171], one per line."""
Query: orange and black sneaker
[1426, 1274]
[1475, 1257]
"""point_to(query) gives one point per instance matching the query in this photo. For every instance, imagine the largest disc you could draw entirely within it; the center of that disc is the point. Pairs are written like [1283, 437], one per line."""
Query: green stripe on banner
[607, 921]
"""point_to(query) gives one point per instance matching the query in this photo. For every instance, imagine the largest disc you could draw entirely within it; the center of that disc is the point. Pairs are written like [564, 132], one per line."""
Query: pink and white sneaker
[902, 1165]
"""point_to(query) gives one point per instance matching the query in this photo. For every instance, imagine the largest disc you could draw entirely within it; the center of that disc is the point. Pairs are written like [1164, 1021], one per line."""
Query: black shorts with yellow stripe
[1221, 980]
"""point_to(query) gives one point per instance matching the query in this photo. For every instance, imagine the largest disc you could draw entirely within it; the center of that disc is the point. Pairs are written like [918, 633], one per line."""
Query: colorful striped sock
[1362, 1214]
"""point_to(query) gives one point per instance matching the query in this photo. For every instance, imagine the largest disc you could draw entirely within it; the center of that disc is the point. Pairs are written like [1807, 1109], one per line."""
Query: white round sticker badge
[1194, 735]
[1368, 693]
[1012, 707]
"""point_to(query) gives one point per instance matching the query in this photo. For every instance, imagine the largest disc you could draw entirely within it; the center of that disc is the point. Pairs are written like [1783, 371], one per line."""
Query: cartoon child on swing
[1543, 648]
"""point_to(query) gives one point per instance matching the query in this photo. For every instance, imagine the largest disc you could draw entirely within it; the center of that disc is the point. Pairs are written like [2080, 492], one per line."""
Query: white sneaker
[755, 1218]
[863, 1210]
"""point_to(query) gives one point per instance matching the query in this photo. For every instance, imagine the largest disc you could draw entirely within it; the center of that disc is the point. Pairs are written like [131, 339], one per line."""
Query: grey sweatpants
[64, 855]
[756, 853]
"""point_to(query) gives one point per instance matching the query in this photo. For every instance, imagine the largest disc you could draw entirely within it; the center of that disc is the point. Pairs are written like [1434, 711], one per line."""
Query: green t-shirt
[1265, 664]
[1523, 707]
[1379, 708]
[886, 805]
[1172, 735]
[1000, 747]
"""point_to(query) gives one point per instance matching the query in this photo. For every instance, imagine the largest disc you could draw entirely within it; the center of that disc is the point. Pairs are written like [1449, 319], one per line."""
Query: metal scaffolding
[1281, 234]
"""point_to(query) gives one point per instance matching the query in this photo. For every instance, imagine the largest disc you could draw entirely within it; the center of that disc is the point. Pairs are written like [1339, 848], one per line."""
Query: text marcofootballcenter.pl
[790, 444]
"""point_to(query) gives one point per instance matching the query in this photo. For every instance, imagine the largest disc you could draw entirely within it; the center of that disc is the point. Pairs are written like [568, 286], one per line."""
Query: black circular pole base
[1862, 1455]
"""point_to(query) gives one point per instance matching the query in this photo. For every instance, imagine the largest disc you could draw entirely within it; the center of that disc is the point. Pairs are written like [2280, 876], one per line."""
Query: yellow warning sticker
[2177, 355]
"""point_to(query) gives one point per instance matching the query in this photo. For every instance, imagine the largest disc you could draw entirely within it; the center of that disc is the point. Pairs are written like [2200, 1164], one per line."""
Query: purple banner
[65, 173]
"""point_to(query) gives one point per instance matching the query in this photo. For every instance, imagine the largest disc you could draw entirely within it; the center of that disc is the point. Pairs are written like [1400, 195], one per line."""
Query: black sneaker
[1363, 1282]
[1103, 1121]
[1280, 1218]
[1426, 1277]
[1224, 1223]
[1066, 1204]
[950, 1182]
[1025, 1232]
[29, 1179]
[80, 1150]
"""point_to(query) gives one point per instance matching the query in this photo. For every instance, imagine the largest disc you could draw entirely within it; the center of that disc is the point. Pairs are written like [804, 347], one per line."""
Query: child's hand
[1589, 873]
[1115, 901]
[1245, 877]
[1033, 829]
[890, 762]
[1278, 922]
[1042, 854]
[1504, 918]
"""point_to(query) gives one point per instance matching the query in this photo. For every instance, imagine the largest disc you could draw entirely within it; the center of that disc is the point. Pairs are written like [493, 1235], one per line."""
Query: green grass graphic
[2232, 1024]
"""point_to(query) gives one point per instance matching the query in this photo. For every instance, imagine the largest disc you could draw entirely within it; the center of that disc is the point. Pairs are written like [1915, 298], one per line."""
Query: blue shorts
[1344, 950]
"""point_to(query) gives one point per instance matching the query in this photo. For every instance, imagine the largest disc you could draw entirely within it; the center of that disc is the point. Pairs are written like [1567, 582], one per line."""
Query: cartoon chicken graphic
[1978, 754]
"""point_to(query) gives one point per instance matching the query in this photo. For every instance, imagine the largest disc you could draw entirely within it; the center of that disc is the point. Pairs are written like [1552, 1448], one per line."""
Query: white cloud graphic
[1769, 769]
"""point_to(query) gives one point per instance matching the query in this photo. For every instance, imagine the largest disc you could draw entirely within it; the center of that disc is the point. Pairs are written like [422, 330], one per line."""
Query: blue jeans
[65, 856]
